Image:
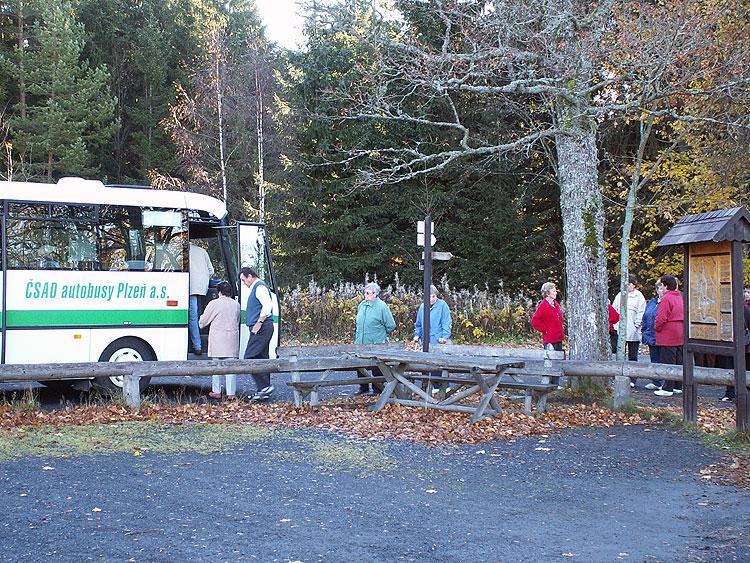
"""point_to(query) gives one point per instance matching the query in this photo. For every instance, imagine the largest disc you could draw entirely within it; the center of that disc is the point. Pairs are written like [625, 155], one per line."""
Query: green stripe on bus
[97, 317]
[243, 317]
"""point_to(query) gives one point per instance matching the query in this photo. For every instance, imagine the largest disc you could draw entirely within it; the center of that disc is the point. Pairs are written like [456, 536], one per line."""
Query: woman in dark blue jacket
[648, 331]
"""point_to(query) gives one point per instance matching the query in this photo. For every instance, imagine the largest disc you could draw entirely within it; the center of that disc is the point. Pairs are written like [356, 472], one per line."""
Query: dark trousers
[655, 355]
[727, 362]
[365, 388]
[557, 347]
[633, 350]
[613, 341]
[671, 355]
[257, 349]
[633, 354]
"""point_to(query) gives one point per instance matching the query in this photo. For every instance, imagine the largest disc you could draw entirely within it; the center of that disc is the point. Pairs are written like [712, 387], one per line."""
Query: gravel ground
[618, 494]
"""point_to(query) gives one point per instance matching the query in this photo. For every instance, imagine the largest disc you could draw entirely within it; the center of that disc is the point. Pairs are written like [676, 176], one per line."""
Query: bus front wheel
[123, 350]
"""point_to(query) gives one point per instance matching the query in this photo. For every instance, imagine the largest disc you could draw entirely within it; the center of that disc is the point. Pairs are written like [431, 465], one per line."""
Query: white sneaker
[726, 400]
[652, 386]
[264, 394]
[678, 391]
[662, 393]
[632, 385]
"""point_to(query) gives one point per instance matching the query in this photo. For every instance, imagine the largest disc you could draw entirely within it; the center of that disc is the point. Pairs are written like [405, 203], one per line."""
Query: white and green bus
[92, 272]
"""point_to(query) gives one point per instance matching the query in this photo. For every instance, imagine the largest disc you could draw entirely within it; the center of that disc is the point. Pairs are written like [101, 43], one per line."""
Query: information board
[710, 291]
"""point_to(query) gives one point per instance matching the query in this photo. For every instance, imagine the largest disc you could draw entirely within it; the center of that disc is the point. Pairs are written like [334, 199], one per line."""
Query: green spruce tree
[68, 112]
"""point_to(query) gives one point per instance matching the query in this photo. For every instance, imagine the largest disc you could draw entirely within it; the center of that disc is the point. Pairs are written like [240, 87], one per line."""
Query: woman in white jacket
[635, 310]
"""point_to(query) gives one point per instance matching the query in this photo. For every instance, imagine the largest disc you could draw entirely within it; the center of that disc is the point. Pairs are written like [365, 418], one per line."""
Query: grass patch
[736, 442]
[362, 458]
[634, 407]
[124, 437]
[586, 393]
[26, 401]
[332, 454]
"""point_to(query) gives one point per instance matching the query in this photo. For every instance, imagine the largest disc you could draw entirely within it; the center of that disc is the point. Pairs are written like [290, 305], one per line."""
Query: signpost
[421, 232]
[426, 238]
[439, 255]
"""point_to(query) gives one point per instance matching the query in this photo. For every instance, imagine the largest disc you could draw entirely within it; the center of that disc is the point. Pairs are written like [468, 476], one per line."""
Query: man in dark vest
[259, 320]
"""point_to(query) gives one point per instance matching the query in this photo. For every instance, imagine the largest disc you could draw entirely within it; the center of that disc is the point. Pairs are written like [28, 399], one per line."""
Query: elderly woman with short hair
[374, 322]
[548, 318]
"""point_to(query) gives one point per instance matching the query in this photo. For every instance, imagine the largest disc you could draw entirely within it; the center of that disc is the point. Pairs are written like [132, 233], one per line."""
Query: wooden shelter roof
[715, 226]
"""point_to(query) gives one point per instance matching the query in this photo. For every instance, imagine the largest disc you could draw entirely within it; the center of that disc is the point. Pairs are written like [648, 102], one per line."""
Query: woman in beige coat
[223, 314]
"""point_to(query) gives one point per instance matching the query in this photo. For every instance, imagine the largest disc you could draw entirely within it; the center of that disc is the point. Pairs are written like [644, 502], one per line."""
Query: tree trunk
[259, 123]
[220, 114]
[627, 227]
[21, 57]
[580, 196]
[583, 236]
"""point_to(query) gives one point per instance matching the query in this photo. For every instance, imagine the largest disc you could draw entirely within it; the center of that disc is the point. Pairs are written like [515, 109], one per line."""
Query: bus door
[3, 284]
[254, 251]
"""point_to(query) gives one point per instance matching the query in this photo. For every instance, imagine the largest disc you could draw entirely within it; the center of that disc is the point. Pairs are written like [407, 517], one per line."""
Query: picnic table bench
[309, 389]
[482, 378]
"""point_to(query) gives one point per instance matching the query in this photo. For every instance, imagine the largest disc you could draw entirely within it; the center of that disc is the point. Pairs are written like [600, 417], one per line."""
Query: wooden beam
[57, 371]
[496, 351]
[738, 326]
[335, 349]
[436, 362]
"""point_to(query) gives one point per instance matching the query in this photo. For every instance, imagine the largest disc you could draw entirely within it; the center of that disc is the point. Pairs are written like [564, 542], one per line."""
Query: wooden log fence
[309, 359]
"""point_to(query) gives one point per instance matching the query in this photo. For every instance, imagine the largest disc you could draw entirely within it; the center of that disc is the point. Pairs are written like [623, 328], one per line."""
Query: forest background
[190, 95]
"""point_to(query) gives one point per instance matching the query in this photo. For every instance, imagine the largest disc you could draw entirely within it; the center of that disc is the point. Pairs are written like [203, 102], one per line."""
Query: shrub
[316, 313]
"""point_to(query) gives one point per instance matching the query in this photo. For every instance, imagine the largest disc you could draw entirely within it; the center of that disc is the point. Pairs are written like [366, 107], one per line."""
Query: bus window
[121, 238]
[166, 237]
[142, 240]
[43, 237]
[252, 251]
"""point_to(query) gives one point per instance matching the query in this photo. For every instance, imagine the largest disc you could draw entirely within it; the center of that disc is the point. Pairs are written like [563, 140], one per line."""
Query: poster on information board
[710, 291]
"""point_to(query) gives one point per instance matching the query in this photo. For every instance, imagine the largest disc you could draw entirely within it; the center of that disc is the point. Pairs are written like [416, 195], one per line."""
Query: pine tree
[68, 112]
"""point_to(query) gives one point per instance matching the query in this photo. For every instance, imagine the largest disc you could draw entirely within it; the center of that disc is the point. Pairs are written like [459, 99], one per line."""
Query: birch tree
[218, 122]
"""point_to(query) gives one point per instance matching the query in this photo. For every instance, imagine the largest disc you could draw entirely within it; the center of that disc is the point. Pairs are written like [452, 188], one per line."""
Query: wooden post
[427, 282]
[131, 389]
[689, 387]
[298, 397]
[738, 317]
[622, 389]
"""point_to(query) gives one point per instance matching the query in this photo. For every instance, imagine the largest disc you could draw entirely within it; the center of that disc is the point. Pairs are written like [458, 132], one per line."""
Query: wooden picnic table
[481, 377]
[474, 380]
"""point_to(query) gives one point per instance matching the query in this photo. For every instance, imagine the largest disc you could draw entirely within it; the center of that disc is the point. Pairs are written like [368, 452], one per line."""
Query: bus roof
[78, 190]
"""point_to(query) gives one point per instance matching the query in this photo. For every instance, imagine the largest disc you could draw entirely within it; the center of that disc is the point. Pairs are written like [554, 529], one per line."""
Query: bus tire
[123, 350]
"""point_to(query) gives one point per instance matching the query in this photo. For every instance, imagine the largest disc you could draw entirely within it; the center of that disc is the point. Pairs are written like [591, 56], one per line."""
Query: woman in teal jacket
[374, 323]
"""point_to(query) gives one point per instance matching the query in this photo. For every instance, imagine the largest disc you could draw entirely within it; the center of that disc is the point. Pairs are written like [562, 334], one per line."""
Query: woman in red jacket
[548, 318]
[669, 325]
